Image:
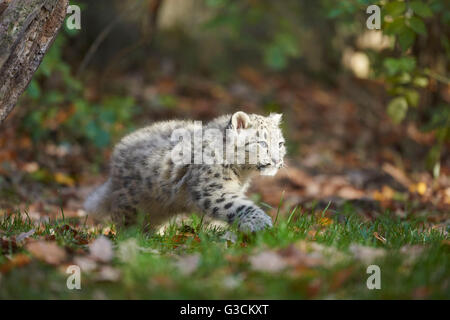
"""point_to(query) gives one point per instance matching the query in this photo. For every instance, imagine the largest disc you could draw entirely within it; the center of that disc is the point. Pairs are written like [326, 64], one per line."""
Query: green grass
[224, 270]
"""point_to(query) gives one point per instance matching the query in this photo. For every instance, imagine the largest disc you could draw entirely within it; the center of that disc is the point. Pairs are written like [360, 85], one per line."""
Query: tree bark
[27, 30]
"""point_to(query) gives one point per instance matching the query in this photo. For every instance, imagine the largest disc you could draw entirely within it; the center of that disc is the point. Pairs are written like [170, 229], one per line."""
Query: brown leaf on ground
[85, 263]
[65, 228]
[267, 261]
[236, 260]
[187, 265]
[101, 249]
[340, 277]
[379, 237]
[78, 236]
[181, 238]
[108, 274]
[421, 292]
[50, 237]
[8, 244]
[420, 188]
[313, 287]
[312, 235]
[397, 174]
[324, 221]
[348, 192]
[109, 232]
[366, 254]
[162, 280]
[47, 251]
[64, 179]
[18, 260]
[386, 194]
[128, 250]
[252, 76]
[296, 257]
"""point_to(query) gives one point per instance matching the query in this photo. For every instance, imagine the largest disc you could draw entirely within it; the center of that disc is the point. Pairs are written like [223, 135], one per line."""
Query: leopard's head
[260, 139]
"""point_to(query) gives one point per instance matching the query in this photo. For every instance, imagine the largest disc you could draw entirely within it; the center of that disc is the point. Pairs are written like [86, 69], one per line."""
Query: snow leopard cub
[145, 178]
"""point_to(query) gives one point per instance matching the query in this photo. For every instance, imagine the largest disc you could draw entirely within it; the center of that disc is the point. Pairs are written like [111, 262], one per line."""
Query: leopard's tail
[97, 204]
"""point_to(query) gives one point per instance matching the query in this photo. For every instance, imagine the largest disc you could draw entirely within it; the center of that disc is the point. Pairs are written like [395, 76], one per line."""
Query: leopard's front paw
[255, 221]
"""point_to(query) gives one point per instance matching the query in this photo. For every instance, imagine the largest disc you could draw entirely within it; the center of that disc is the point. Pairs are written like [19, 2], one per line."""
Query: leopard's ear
[276, 117]
[240, 120]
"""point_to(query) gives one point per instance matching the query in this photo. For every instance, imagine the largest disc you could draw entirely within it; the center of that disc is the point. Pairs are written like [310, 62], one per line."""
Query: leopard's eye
[281, 144]
[263, 144]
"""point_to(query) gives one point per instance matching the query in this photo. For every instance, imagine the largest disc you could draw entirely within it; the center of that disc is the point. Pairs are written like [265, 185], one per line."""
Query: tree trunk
[27, 30]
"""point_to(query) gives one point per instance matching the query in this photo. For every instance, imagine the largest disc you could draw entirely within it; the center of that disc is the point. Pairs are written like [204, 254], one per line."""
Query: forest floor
[355, 193]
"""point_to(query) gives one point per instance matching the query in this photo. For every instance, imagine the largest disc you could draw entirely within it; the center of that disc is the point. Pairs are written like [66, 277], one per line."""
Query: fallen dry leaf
[64, 179]
[108, 273]
[46, 251]
[109, 232]
[329, 255]
[419, 188]
[76, 235]
[31, 167]
[232, 281]
[267, 261]
[8, 244]
[340, 277]
[421, 292]
[386, 194]
[162, 280]
[397, 174]
[297, 257]
[324, 221]
[101, 249]
[312, 234]
[25, 235]
[379, 237]
[186, 265]
[313, 287]
[18, 260]
[181, 238]
[366, 254]
[86, 264]
[447, 196]
[128, 250]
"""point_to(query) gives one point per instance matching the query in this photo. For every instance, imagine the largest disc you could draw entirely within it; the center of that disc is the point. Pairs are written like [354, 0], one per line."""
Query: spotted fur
[144, 178]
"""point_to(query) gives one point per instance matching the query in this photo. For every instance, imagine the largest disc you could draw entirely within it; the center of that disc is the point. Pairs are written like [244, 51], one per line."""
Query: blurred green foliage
[277, 41]
[405, 68]
[276, 36]
[61, 111]
[278, 32]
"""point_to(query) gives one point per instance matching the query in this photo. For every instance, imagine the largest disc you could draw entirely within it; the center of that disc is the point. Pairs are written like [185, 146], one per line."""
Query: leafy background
[366, 117]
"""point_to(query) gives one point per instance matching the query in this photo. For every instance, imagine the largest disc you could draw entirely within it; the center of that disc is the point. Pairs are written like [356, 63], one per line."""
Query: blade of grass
[266, 205]
[279, 207]
[200, 225]
[292, 214]
[326, 208]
